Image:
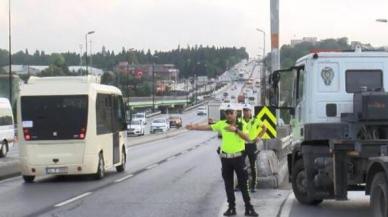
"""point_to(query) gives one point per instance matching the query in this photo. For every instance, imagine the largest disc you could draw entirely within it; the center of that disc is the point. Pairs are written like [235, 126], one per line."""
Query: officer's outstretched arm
[203, 127]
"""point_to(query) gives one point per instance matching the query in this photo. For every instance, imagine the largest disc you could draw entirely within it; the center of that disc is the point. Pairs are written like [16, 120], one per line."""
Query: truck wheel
[298, 179]
[100, 168]
[3, 149]
[121, 167]
[379, 195]
[28, 179]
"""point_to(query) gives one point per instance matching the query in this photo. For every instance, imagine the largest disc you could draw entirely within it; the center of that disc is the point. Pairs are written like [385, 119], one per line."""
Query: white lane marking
[73, 199]
[171, 158]
[286, 211]
[124, 178]
[152, 166]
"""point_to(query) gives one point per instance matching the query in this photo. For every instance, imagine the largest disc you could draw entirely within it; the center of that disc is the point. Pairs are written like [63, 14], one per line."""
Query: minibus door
[116, 130]
[116, 147]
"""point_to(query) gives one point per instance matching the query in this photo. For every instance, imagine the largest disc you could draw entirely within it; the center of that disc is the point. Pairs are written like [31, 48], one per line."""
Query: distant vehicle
[136, 127]
[241, 99]
[140, 116]
[225, 94]
[202, 111]
[70, 126]
[175, 121]
[233, 97]
[7, 131]
[159, 125]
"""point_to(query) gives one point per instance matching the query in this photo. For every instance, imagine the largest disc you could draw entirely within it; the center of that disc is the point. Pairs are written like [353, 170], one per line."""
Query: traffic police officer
[255, 130]
[232, 158]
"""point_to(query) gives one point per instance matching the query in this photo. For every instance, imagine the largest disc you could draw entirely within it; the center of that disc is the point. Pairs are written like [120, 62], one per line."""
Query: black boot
[250, 211]
[230, 212]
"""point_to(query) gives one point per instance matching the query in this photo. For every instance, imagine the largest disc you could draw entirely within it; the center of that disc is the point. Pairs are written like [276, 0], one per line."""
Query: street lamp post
[86, 48]
[153, 87]
[263, 72]
[10, 53]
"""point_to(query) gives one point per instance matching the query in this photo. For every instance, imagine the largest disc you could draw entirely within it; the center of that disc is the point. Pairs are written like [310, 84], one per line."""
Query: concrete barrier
[272, 159]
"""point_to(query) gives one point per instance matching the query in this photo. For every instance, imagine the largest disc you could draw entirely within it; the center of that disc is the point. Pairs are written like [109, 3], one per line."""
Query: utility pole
[275, 55]
[275, 35]
[10, 53]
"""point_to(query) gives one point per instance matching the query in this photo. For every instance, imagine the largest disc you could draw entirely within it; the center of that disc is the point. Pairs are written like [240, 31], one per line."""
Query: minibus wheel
[4, 149]
[121, 167]
[100, 168]
[28, 179]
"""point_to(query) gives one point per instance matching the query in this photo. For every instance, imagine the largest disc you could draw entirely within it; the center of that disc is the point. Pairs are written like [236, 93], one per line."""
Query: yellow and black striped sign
[267, 116]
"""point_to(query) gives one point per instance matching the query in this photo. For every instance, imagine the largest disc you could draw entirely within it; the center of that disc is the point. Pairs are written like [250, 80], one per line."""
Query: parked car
[136, 127]
[160, 125]
[175, 121]
[202, 111]
[140, 116]
[7, 130]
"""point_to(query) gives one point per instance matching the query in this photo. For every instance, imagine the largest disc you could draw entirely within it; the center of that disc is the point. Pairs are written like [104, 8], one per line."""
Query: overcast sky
[60, 25]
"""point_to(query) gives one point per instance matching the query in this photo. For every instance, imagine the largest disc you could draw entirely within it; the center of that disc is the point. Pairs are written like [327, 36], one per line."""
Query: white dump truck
[339, 110]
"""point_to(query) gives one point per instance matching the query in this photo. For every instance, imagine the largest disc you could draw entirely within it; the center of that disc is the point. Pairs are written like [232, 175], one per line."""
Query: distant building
[80, 69]
[34, 70]
[25, 69]
[312, 40]
[162, 71]
[354, 44]
[202, 80]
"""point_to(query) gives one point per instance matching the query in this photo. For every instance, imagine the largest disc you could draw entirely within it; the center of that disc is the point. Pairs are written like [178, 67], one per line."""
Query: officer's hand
[231, 128]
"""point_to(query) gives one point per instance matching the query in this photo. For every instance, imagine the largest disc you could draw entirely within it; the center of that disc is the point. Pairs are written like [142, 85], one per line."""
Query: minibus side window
[104, 114]
[119, 114]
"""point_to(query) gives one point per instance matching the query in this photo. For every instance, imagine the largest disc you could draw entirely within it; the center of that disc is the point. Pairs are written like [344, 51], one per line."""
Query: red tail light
[82, 133]
[27, 134]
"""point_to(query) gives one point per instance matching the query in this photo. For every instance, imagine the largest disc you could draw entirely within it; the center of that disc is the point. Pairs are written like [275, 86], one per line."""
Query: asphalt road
[177, 176]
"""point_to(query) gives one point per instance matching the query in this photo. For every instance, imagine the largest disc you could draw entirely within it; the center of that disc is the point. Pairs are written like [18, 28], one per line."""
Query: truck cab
[339, 113]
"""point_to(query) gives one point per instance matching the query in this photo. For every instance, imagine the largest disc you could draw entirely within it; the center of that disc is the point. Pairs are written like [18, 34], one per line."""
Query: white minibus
[7, 129]
[70, 126]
